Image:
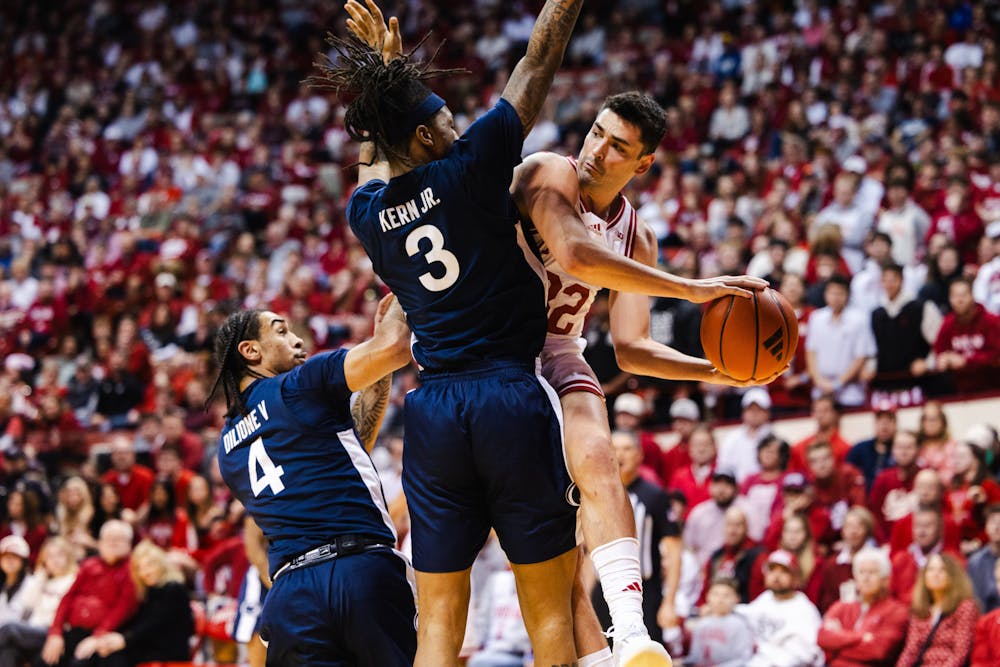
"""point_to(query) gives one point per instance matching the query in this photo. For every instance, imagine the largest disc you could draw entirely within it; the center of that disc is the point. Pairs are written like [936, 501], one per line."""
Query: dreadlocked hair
[381, 93]
[240, 326]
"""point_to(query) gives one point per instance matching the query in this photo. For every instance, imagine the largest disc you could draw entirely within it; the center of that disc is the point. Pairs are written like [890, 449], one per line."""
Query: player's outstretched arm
[386, 351]
[636, 352]
[546, 190]
[529, 83]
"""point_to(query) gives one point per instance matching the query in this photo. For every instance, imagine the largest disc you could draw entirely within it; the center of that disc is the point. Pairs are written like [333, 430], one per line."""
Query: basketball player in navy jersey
[292, 452]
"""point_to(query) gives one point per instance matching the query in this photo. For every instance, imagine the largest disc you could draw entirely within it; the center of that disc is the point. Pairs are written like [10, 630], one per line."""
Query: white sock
[602, 658]
[617, 564]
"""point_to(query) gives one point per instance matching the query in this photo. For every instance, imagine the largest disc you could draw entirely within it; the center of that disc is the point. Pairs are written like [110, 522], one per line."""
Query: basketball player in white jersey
[619, 146]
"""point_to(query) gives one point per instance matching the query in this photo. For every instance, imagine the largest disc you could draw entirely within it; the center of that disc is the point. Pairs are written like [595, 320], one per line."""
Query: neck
[784, 595]
[872, 598]
[628, 478]
[599, 201]
[254, 374]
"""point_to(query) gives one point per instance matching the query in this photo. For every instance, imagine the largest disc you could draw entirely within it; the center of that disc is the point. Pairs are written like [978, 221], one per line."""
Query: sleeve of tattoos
[368, 410]
[529, 83]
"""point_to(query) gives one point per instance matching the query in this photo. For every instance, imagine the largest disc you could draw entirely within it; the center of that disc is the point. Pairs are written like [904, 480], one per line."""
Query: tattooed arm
[529, 82]
[369, 409]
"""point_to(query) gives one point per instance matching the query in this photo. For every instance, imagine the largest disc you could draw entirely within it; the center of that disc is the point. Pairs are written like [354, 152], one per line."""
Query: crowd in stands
[161, 164]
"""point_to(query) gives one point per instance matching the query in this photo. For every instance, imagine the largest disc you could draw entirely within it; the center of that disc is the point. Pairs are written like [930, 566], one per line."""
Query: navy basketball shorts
[353, 611]
[484, 448]
[249, 605]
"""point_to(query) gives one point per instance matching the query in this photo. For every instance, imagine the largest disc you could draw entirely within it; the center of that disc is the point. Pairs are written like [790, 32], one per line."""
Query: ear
[645, 163]
[424, 136]
[249, 350]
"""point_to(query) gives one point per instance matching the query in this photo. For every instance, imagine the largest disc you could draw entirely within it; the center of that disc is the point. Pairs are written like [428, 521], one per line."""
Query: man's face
[779, 580]
[114, 544]
[612, 153]
[628, 453]
[735, 528]
[442, 131]
[960, 297]
[722, 491]
[824, 414]
[904, 449]
[836, 296]
[702, 448]
[926, 529]
[277, 349]
[754, 415]
[683, 427]
[122, 456]
[721, 600]
[821, 462]
[892, 283]
[885, 426]
[868, 579]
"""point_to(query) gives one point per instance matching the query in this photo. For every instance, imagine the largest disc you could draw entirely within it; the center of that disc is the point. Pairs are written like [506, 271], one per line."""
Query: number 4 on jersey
[270, 473]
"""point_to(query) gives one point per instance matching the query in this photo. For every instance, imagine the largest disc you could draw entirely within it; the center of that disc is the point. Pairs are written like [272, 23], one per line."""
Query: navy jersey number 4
[443, 237]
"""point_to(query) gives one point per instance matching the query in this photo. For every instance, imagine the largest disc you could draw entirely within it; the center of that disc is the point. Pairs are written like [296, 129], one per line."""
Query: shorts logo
[573, 495]
[774, 344]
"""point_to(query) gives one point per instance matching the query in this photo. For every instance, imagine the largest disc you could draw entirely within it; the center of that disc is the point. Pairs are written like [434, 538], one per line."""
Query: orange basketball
[750, 339]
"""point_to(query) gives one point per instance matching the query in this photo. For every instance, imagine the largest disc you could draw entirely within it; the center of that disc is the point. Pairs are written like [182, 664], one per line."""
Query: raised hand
[368, 25]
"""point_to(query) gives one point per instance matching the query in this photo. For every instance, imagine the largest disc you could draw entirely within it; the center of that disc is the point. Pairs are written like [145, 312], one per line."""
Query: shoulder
[542, 168]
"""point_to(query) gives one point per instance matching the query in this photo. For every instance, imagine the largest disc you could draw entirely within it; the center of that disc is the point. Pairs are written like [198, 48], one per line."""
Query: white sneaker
[638, 650]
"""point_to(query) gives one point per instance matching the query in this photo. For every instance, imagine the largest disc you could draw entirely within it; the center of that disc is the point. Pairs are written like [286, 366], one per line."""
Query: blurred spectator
[24, 519]
[14, 565]
[719, 636]
[169, 467]
[684, 417]
[796, 538]
[848, 214]
[162, 626]
[798, 499]
[971, 489]
[957, 220]
[836, 578]
[986, 287]
[904, 330]
[928, 493]
[792, 391]
[188, 444]
[904, 221]
[944, 616]
[874, 455]
[784, 622]
[928, 540]
[983, 563]
[119, 394]
[761, 489]
[986, 646]
[836, 487]
[826, 413]
[131, 480]
[937, 448]
[703, 532]
[839, 345]
[889, 499]
[968, 343]
[74, 512]
[870, 628]
[100, 600]
[22, 639]
[866, 285]
[735, 558]
[693, 479]
[738, 450]
[167, 525]
[629, 413]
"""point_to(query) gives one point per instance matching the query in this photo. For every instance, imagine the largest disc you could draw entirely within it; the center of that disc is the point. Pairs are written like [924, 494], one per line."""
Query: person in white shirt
[866, 285]
[839, 346]
[853, 220]
[986, 288]
[738, 451]
[703, 528]
[784, 622]
[730, 121]
[905, 223]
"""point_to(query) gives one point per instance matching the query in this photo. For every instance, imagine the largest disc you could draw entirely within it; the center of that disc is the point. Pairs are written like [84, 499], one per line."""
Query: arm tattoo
[369, 409]
[530, 81]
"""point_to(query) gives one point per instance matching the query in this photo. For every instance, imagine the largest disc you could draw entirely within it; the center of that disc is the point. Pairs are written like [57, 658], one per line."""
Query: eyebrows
[620, 140]
[276, 321]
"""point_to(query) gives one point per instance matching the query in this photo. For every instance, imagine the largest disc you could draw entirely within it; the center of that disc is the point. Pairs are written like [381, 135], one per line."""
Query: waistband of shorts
[344, 545]
[478, 369]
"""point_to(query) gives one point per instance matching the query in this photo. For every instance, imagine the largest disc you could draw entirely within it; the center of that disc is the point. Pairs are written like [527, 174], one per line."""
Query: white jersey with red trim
[569, 299]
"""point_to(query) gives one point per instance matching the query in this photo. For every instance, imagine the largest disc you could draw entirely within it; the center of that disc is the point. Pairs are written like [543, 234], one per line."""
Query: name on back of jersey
[394, 217]
[245, 427]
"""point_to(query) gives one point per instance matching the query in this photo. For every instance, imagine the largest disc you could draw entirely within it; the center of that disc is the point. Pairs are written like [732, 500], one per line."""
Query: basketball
[750, 339]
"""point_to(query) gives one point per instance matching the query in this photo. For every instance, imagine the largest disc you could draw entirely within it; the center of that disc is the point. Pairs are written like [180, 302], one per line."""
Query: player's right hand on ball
[718, 377]
[709, 289]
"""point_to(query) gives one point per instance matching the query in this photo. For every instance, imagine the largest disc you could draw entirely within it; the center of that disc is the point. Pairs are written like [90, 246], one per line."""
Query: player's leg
[591, 645]
[443, 601]
[544, 591]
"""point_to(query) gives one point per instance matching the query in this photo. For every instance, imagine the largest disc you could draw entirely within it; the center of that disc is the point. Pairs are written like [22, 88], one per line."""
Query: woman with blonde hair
[74, 512]
[937, 449]
[797, 538]
[22, 640]
[161, 629]
[942, 618]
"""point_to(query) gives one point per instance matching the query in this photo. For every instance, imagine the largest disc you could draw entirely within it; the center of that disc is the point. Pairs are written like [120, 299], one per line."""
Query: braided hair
[383, 93]
[240, 326]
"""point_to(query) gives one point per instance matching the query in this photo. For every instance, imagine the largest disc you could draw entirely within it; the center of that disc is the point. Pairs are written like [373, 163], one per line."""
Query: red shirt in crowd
[966, 513]
[694, 490]
[865, 638]
[846, 484]
[951, 644]
[133, 487]
[986, 647]
[888, 498]
[905, 570]
[978, 340]
[101, 598]
[797, 461]
[964, 229]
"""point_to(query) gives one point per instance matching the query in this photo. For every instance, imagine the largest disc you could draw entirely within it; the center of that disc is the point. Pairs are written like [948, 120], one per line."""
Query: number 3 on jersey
[436, 255]
[270, 474]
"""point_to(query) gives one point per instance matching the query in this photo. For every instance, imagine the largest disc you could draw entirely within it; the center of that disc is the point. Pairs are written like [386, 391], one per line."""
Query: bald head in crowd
[928, 488]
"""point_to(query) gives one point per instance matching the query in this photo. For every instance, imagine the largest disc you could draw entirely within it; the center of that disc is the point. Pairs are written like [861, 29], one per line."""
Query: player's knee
[593, 460]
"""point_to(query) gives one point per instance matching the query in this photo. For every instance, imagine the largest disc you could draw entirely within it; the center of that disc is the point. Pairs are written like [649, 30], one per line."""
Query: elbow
[575, 257]
[401, 354]
[626, 358]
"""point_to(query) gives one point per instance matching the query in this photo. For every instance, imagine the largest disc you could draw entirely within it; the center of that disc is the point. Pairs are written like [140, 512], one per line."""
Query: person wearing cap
[738, 450]
[720, 636]
[986, 287]
[873, 455]
[693, 479]
[684, 417]
[703, 528]
[984, 562]
[968, 343]
[629, 412]
[15, 565]
[889, 498]
[870, 629]
[783, 620]
[798, 498]
[971, 488]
